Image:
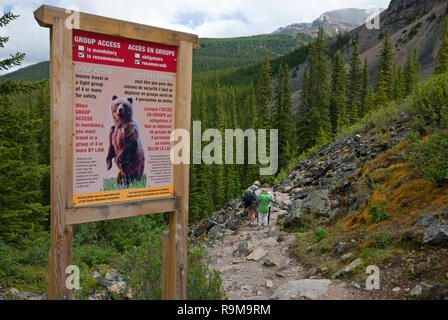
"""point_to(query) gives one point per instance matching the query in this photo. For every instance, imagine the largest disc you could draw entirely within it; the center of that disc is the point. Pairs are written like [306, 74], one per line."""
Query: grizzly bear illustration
[124, 143]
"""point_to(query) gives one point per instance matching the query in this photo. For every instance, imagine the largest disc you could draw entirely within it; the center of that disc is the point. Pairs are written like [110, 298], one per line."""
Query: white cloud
[229, 18]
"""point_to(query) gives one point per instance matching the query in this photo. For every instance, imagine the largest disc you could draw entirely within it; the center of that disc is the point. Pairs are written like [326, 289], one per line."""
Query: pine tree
[366, 99]
[355, 75]
[399, 83]
[385, 79]
[14, 59]
[338, 100]
[283, 115]
[354, 111]
[302, 119]
[317, 106]
[22, 215]
[218, 187]
[250, 105]
[231, 170]
[442, 56]
[411, 72]
[264, 93]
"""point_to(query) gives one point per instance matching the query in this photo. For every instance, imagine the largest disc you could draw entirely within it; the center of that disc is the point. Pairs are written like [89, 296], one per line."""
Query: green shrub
[25, 269]
[377, 214]
[281, 176]
[203, 283]
[319, 235]
[430, 157]
[142, 268]
[429, 108]
[324, 248]
[414, 31]
[379, 240]
[93, 255]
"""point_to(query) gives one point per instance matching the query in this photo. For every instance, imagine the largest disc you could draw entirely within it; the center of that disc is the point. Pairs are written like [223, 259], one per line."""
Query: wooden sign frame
[63, 215]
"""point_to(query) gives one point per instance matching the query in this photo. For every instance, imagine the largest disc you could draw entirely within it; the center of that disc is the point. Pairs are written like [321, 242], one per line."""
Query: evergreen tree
[316, 129]
[283, 116]
[385, 79]
[302, 120]
[355, 75]
[218, 187]
[201, 202]
[22, 215]
[264, 93]
[338, 100]
[442, 56]
[250, 105]
[399, 83]
[354, 111]
[366, 96]
[231, 170]
[411, 72]
[14, 59]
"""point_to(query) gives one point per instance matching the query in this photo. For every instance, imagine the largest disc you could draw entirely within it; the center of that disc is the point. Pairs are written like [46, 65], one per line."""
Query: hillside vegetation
[213, 54]
[225, 53]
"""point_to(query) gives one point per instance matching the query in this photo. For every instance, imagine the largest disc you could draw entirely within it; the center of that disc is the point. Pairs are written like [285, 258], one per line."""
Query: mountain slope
[223, 53]
[336, 21]
[411, 24]
[38, 71]
[213, 54]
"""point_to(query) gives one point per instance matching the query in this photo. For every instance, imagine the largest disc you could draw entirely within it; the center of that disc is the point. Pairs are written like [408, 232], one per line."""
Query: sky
[217, 19]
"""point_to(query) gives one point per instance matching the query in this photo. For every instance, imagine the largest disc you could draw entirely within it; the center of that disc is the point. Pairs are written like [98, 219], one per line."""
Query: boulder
[346, 256]
[436, 233]
[243, 248]
[317, 203]
[421, 289]
[294, 217]
[426, 220]
[268, 262]
[257, 254]
[269, 242]
[355, 203]
[333, 214]
[341, 246]
[348, 269]
[215, 229]
[231, 225]
[307, 288]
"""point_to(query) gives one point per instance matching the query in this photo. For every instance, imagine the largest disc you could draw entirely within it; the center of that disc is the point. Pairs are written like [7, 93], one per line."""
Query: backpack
[248, 198]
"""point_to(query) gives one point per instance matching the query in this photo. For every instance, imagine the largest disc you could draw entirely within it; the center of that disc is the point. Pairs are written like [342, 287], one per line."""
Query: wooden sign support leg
[177, 280]
[61, 130]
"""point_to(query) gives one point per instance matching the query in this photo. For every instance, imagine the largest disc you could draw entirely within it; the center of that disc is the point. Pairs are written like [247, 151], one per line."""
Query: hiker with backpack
[263, 199]
[250, 205]
[250, 202]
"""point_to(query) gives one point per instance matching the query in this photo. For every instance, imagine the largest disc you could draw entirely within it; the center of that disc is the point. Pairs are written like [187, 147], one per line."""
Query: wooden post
[179, 219]
[60, 148]
[165, 264]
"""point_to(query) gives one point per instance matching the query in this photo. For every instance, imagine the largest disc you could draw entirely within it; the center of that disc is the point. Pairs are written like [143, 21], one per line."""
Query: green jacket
[263, 202]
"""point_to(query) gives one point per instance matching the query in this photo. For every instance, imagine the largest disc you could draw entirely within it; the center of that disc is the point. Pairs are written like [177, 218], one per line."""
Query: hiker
[266, 186]
[252, 208]
[250, 205]
[263, 200]
[255, 186]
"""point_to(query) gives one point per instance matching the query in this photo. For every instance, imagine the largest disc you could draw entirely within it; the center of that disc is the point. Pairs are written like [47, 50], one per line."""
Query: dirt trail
[263, 269]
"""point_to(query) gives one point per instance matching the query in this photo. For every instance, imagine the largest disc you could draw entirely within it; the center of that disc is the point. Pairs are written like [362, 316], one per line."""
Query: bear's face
[121, 110]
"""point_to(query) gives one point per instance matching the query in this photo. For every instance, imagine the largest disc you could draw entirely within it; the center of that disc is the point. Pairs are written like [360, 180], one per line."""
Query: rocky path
[256, 265]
